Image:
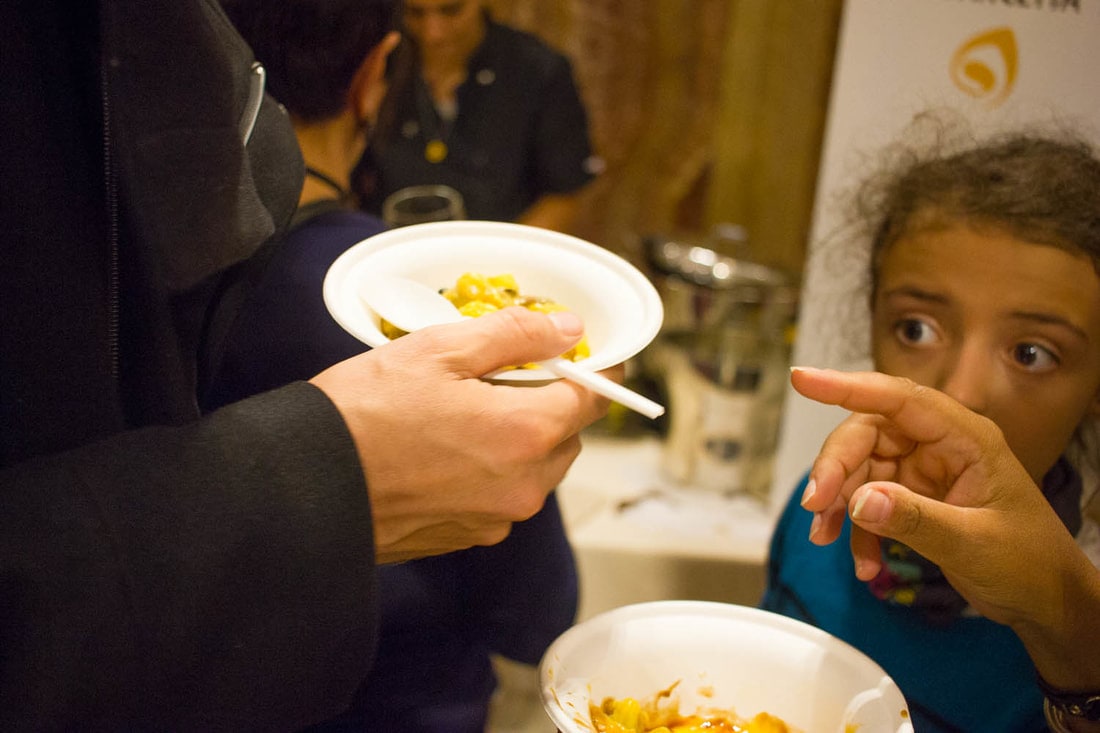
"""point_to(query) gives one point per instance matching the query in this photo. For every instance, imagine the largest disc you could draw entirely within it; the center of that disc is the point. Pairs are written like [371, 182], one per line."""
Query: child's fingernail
[873, 506]
[815, 525]
[807, 494]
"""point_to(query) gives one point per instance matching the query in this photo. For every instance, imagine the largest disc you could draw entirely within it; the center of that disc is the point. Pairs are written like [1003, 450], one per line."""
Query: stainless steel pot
[723, 356]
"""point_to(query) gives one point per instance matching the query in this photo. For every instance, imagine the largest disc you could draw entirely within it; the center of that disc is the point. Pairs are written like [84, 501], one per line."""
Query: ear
[368, 87]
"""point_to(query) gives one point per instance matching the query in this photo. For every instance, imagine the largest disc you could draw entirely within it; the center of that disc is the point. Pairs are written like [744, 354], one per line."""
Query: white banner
[994, 62]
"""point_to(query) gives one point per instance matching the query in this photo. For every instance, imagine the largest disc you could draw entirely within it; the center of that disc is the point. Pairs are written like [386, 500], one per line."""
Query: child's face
[1008, 328]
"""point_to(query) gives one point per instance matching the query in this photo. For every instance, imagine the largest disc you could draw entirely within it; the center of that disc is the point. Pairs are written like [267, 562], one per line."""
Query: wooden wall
[706, 111]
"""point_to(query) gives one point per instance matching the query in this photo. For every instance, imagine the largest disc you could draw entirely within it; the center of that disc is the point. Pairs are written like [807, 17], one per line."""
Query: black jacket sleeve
[216, 576]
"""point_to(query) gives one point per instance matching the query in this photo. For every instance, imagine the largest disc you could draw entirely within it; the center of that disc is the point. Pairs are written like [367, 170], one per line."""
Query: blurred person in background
[441, 618]
[331, 89]
[491, 111]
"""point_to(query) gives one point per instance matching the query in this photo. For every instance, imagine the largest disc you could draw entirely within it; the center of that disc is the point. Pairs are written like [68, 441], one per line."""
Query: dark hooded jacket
[159, 569]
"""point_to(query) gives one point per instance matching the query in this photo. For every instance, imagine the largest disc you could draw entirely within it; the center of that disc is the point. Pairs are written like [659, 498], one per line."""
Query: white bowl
[621, 309]
[724, 656]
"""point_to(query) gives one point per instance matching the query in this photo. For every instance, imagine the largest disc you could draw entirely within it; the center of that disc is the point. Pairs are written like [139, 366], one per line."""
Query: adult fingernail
[567, 323]
[807, 494]
[873, 506]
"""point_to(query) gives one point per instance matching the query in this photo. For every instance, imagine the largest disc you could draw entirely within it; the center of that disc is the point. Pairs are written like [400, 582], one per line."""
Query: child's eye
[1034, 357]
[914, 331]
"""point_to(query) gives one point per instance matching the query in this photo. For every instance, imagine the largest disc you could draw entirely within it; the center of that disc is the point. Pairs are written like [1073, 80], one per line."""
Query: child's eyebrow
[909, 291]
[1052, 320]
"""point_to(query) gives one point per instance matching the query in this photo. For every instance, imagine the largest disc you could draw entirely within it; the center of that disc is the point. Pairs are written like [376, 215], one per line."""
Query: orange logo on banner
[985, 66]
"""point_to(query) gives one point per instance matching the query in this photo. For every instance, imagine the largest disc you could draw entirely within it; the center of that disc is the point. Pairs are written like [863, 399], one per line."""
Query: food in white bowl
[621, 309]
[662, 714]
[476, 294]
[720, 658]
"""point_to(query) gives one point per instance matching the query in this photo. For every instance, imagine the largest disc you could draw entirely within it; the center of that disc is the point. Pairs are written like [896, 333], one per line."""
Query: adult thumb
[516, 336]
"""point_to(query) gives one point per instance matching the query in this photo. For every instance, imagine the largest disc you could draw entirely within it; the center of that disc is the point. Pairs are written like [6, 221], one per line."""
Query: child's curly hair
[1039, 186]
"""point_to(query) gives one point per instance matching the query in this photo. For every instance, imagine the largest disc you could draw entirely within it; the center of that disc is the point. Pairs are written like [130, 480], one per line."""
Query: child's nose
[969, 377]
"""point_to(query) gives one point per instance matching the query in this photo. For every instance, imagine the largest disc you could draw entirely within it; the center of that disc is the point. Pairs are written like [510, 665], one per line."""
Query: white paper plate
[621, 309]
[724, 656]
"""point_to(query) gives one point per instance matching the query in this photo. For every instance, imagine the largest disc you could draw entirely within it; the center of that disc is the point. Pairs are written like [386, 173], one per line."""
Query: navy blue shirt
[284, 331]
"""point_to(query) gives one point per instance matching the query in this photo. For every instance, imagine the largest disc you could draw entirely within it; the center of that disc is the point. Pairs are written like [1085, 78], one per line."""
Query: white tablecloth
[639, 536]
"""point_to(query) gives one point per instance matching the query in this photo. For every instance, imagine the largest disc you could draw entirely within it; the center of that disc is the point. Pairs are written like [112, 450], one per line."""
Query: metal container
[723, 356]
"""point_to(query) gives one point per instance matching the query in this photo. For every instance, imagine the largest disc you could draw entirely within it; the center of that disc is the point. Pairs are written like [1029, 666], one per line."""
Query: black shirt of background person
[521, 132]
